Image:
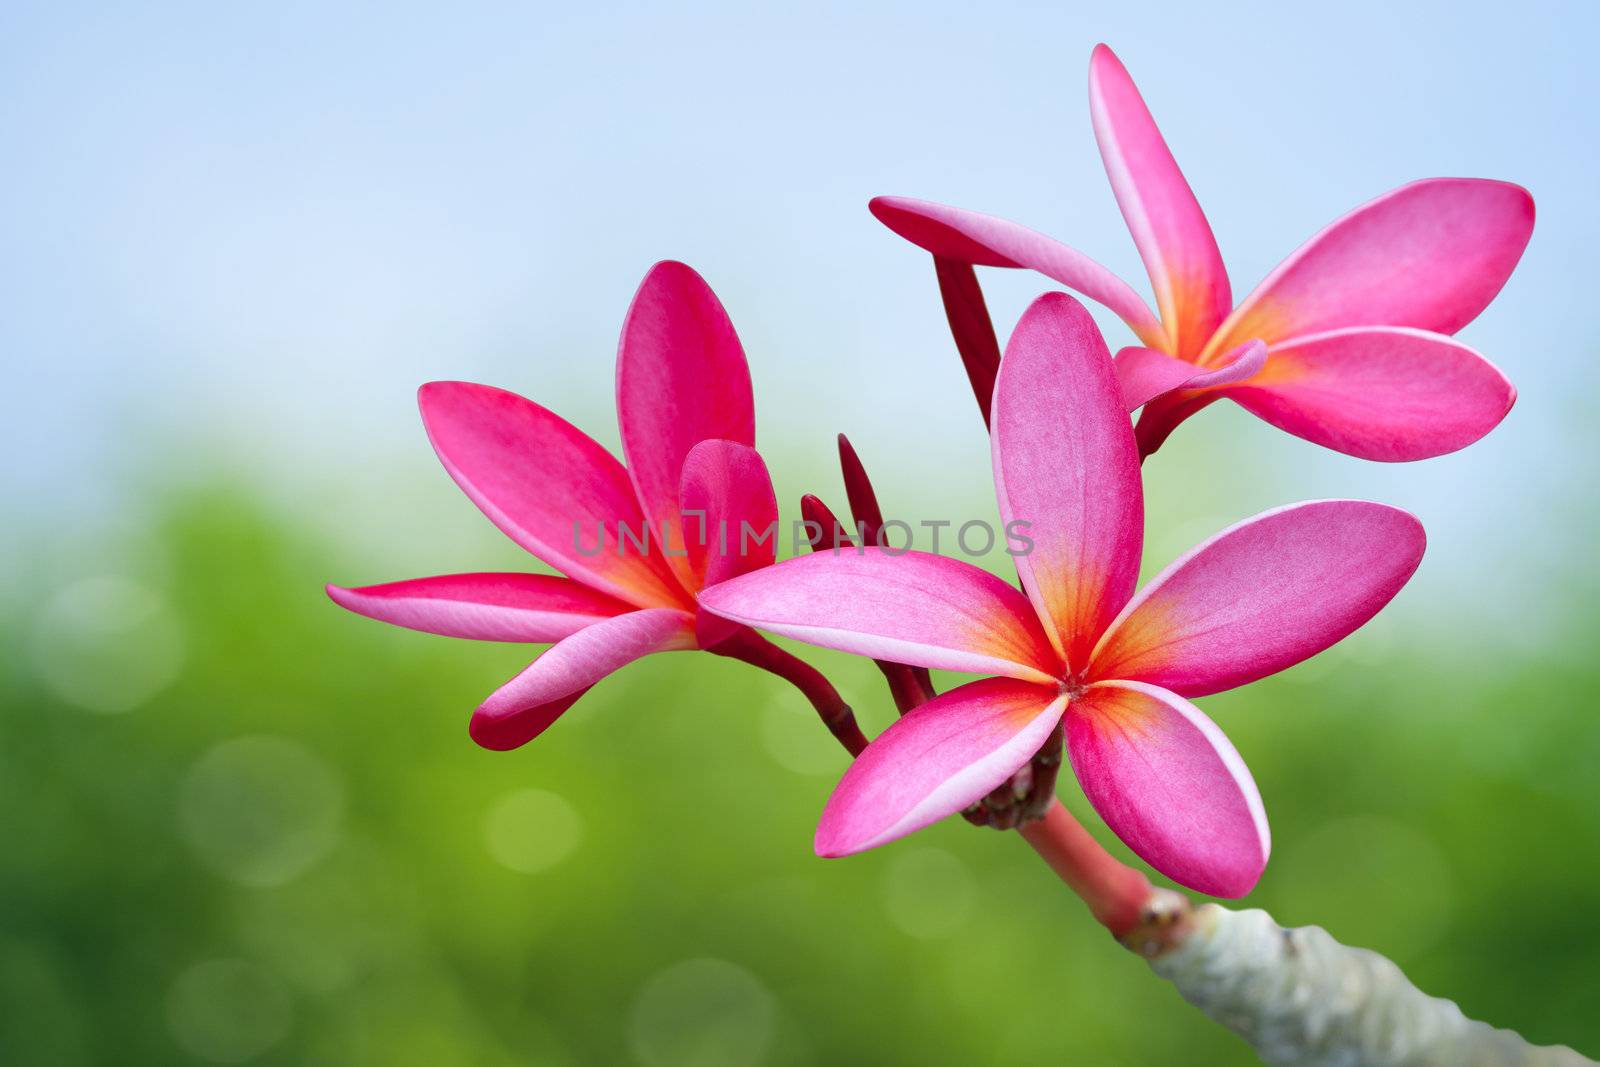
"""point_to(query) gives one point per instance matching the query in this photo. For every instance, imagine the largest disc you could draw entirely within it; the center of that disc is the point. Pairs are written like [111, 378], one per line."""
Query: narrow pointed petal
[1145, 374]
[484, 607]
[910, 607]
[987, 241]
[1171, 785]
[1171, 232]
[1263, 595]
[938, 759]
[547, 486]
[1431, 255]
[681, 379]
[1383, 393]
[524, 707]
[968, 315]
[1065, 464]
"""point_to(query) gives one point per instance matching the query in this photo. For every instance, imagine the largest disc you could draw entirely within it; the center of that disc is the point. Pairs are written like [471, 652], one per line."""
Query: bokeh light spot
[928, 892]
[797, 741]
[260, 810]
[228, 1011]
[106, 644]
[531, 830]
[702, 1013]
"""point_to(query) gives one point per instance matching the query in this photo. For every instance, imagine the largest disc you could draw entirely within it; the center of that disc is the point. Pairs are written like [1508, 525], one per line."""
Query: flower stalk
[1117, 895]
[747, 646]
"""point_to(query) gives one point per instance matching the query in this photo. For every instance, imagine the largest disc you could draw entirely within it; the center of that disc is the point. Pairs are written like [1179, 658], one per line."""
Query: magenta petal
[730, 521]
[731, 514]
[1145, 374]
[1431, 255]
[987, 241]
[909, 607]
[681, 379]
[525, 706]
[1066, 466]
[1383, 393]
[937, 760]
[547, 485]
[484, 607]
[1262, 596]
[1167, 781]
[1170, 230]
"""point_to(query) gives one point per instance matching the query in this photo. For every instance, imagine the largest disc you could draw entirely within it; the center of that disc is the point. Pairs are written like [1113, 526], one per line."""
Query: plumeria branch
[1348, 344]
[1297, 996]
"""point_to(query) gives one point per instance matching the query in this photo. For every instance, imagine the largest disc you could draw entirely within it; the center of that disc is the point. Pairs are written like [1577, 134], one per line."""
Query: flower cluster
[1346, 344]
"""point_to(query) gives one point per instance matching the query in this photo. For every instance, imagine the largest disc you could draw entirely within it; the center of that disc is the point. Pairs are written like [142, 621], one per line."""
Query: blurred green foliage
[244, 826]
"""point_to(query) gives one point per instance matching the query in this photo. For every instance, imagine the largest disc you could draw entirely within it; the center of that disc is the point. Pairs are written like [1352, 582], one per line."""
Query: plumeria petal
[937, 760]
[484, 607]
[1380, 392]
[524, 707]
[547, 486]
[987, 241]
[730, 521]
[730, 510]
[1430, 254]
[905, 607]
[1167, 781]
[1262, 596]
[1170, 230]
[1145, 374]
[681, 379]
[1065, 465]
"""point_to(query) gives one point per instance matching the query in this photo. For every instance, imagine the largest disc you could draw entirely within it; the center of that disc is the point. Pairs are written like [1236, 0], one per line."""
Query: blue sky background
[235, 239]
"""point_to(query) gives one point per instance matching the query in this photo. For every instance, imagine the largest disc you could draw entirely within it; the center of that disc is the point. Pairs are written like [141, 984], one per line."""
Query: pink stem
[1116, 893]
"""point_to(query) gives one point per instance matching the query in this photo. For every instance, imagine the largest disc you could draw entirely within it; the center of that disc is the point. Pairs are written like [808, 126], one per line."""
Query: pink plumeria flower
[1077, 643]
[688, 429]
[1346, 343]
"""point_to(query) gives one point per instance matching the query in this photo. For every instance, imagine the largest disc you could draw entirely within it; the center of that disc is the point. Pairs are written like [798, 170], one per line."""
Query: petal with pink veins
[524, 707]
[1171, 232]
[1430, 254]
[937, 760]
[1145, 374]
[903, 607]
[1065, 464]
[484, 607]
[987, 241]
[1263, 595]
[681, 379]
[547, 486]
[1379, 392]
[1170, 784]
